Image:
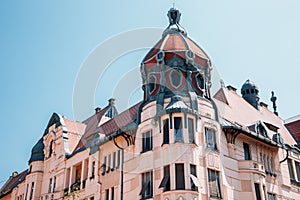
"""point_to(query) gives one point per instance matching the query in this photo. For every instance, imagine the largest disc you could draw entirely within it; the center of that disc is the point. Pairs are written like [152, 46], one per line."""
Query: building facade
[179, 143]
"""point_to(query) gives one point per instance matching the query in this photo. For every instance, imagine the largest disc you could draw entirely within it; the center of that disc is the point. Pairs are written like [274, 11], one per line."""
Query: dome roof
[249, 85]
[37, 152]
[174, 42]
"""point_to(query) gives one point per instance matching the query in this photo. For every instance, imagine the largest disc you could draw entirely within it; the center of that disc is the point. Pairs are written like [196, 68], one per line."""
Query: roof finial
[174, 18]
[273, 99]
[174, 5]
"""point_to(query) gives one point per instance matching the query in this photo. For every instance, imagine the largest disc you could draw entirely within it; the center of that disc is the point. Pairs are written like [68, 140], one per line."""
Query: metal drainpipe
[122, 175]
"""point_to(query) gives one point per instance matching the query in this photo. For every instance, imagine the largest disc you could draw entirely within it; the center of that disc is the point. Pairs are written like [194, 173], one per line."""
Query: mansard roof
[12, 182]
[250, 115]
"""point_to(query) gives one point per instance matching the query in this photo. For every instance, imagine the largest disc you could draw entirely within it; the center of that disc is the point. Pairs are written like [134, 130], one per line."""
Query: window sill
[146, 151]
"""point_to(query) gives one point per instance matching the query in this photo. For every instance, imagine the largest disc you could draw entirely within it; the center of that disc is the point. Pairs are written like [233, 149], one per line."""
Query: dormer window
[261, 130]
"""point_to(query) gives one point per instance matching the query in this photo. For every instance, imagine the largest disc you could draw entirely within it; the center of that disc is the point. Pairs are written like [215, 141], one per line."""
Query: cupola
[250, 93]
[176, 65]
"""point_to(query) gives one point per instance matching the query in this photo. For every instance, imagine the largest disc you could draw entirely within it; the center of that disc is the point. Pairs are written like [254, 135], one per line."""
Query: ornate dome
[37, 152]
[248, 85]
[176, 64]
[250, 93]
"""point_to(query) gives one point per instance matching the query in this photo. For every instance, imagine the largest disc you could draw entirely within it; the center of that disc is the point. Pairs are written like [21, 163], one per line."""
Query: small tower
[250, 93]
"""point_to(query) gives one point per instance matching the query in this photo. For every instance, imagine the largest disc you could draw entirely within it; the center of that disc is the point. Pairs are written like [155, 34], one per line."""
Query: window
[147, 185]
[214, 184]
[247, 154]
[112, 193]
[193, 173]
[108, 164]
[271, 196]
[178, 129]
[200, 81]
[179, 173]
[114, 161]
[165, 183]
[257, 191]
[107, 194]
[50, 185]
[147, 141]
[166, 131]
[291, 169]
[191, 130]
[31, 191]
[92, 198]
[26, 191]
[297, 165]
[118, 160]
[54, 184]
[210, 138]
[50, 149]
[152, 83]
[93, 170]
[104, 166]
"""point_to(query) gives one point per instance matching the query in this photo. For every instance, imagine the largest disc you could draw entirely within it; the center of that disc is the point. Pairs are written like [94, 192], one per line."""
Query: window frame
[191, 130]
[217, 193]
[178, 129]
[247, 151]
[147, 185]
[147, 141]
[179, 176]
[166, 131]
[213, 145]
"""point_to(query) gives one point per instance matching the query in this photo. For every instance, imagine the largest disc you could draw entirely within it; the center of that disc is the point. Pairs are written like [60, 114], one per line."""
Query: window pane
[247, 153]
[112, 193]
[257, 191]
[166, 131]
[147, 141]
[147, 185]
[191, 130]
[214, 183]
[193, 172]
[291, 169]
[271, 196]
[297, 164]
[178, 129]
[165, 183]
[179, 173]
[210, 139]
[107, 194]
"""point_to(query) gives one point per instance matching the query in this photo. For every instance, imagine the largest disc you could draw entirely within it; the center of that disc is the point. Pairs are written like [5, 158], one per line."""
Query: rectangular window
[291, 169]
[179, 173]
[93, 170]
[107, 194]
[50, 186]
[112, 193]
[147, 141]
[193, 173]
[257, 191]
[108, 164]
[297, 165]
[165, 183]
[54, 184]
[31, 191]
[271, 164]
[104, 166]
[118, 159]
[271, 196]
[247, 154]
[147, 185]
[166, 131]
[114, 161]
[214, 184]
[210, 138]
[178, 129]
[26, 191]
[191, 130]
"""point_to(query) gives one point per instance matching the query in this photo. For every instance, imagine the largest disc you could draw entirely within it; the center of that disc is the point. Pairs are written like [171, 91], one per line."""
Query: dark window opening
[200, 81]
[50, 186]
[247, 154]
[297, 165]
[257, 191]
[166, 183]
[114, 161]
[104, 166]
[31, 191]
[147, 185]
[214, 184]
[152, 84]
[166, 131]
[118, 159]
[54, 184]
[271, 196]
[191, 131]
[210, 137]
[93, 170]
[194, 173]
[112, 193]
[178, 129]
[50, 149]
[107, 194]
[179, 174]
[291, 169]
[247, 91]
[147, 141]
[108, 164]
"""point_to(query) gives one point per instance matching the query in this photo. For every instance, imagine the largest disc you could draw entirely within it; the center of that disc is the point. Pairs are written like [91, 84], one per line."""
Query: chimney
[111, 101]
[231, 88]
[97, 110]
[262, 104]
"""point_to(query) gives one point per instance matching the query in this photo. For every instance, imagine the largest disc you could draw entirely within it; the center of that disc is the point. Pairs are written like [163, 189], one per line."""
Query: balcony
[252, 167]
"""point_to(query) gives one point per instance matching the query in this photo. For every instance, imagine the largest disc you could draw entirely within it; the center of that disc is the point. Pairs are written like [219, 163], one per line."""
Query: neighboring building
[179, 143]
[293, 125]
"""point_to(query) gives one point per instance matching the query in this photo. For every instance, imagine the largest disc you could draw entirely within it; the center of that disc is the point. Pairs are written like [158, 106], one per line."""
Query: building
[179, 143]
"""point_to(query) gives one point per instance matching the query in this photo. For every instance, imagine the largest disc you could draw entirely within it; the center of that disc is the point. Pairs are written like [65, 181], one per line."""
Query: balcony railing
[252, 166]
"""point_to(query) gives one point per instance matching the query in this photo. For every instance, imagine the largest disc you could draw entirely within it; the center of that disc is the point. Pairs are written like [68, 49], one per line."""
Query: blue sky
[44, 43]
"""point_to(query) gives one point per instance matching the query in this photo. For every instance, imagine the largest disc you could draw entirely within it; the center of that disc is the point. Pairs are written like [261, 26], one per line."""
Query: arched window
[152, 83]
[200, 81]
[50, 149]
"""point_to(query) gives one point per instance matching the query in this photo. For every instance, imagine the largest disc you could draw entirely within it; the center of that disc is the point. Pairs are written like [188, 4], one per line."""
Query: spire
[273, 99]
[174, 19]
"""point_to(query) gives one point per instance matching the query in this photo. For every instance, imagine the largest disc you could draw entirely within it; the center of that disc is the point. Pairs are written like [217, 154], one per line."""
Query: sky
[44, 44]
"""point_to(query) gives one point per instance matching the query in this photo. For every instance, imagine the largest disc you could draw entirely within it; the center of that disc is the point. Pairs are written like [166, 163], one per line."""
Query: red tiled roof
[294, 128]
[120, 121]
[12, 183]
[241, 112]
